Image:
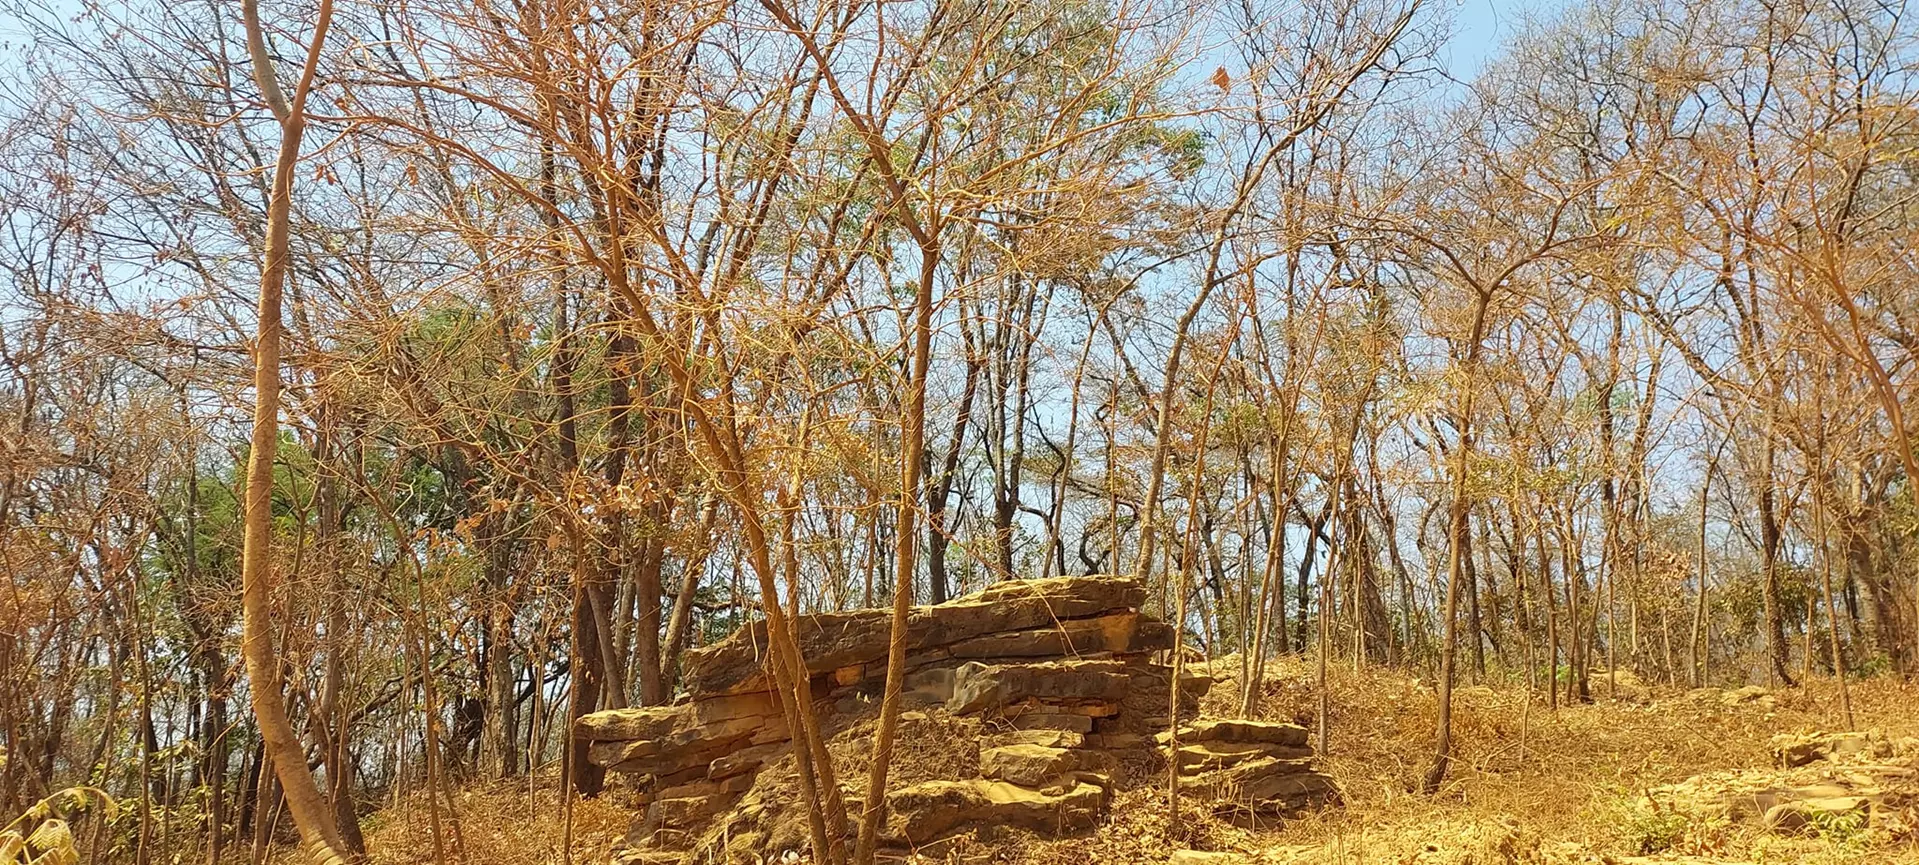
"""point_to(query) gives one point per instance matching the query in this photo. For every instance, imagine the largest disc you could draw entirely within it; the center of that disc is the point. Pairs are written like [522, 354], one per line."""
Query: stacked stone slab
[1250, 770]
[1059, 674]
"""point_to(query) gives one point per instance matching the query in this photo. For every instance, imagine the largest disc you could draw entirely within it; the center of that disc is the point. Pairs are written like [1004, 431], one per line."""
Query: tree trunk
[311, 815]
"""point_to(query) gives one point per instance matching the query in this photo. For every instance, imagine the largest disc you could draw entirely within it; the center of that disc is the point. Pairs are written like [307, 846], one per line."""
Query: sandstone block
[831, 641]
[743, 760]
[622, 725]
[1224, 730]
[1208, 756]
[1267, 785]
[1044, 738]
[1027, 765]
[1116, 632]
[1051, 721]
[926, 811]
[978, 687]
[1810, 815]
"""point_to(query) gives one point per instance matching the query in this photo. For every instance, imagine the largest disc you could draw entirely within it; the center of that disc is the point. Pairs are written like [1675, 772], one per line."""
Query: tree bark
[311, 814]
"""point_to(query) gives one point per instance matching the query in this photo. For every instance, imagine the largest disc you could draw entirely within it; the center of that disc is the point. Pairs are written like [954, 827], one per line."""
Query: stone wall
[1053, 683]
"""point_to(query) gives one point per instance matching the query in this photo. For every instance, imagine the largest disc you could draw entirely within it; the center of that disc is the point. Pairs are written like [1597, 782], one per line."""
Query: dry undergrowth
[499, 824]
[1528, 785]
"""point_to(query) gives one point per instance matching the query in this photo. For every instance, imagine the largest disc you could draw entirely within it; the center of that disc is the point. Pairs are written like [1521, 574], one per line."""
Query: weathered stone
[1791, 750]
[831, 641]
[686, 813]
[1050, 721]
[979, 687]
[928, 810]
[694, 789]
[1118, 632]
[726, 707]
[1027, 765]
[624, 725]
[929, 687]
[1811, 815]
[1224, 730]
[742, 760]
[1043, 738]
[1067, 657]
[685, 747]
[1116, 741]
[1266, 785]
[1208, 756]
[1750, 694]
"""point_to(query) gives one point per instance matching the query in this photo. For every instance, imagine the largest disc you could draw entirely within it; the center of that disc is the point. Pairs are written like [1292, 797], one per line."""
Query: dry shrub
[1528, 786]
[500, 824]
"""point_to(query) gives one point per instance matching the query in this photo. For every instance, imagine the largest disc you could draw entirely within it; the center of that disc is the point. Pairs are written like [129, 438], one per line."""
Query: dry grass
[1528, 785]
[1562, 784]
[500, 823]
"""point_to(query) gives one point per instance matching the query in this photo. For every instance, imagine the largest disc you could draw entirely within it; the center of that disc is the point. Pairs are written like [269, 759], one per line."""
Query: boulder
[730, 785]
[1793, 750]
[1749, 695]
[686, 747]
[742, 761]
[931, 809]
[1807, 816]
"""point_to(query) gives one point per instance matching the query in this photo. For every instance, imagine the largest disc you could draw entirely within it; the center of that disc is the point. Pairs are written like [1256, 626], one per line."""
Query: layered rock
[1054, 680]
[1251, 770]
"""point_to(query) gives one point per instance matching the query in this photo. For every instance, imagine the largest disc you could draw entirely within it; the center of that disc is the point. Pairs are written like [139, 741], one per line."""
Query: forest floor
[1528, 785]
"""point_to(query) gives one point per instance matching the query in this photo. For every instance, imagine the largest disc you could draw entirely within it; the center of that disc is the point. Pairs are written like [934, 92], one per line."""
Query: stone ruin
[1025, 707]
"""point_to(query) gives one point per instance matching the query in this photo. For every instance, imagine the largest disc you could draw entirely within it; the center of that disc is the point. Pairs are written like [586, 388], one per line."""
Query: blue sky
[1480, 27]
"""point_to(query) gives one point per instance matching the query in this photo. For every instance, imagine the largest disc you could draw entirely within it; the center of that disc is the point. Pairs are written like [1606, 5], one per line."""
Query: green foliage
[42, 835]
[1840, 828]
[1647, 827]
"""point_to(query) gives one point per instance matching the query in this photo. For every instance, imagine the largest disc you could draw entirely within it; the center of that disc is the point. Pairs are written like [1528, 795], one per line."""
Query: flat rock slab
[1250, 732]
[980, 687]
[833, 641]
[625, 725]
[1027, 765]
[686, 747]
[1268, 786]
[1208, 756]
[1046, 738]
[1808, 816]
[1116, 633]
[927, 811]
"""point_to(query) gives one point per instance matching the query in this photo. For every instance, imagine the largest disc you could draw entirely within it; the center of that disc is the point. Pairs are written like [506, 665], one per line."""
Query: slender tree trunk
[1696, 638]
[913, 442]
[1456, 546]
[318, 830]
